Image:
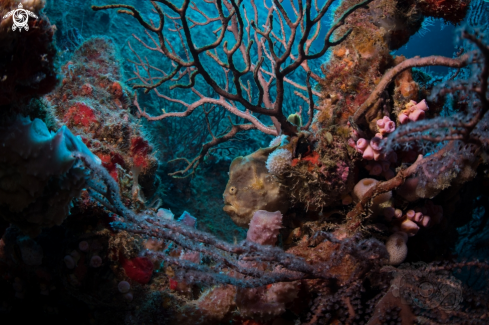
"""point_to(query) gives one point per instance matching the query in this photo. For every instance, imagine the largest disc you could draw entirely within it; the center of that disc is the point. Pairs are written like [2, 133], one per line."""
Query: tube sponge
[39, 176]
[366, 184]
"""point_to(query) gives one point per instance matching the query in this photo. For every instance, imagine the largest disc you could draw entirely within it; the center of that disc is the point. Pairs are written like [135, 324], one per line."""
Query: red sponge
[138, 269]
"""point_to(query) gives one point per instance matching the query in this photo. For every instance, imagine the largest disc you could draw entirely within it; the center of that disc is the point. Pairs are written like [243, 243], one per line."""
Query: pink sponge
[264, 227]
[413, 112]
[386, 125]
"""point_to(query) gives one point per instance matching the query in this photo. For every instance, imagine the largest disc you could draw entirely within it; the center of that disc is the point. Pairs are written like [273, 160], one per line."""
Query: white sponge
[278, 161]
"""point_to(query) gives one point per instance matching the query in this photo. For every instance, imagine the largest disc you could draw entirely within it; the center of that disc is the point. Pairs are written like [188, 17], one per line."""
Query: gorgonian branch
[470, 126]
[296, 35]
[192, 165]
[391, 74]
[236, 258]
[354, 217]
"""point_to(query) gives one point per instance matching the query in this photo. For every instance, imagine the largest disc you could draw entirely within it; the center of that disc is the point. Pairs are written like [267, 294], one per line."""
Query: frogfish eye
[232, 190]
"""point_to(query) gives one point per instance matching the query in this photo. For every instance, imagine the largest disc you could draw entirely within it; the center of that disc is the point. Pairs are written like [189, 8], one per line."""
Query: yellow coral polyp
[409, 107]
[410, 104]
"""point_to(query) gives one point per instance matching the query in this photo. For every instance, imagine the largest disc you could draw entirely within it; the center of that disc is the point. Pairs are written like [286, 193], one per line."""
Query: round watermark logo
[420, 287]
[20, 17]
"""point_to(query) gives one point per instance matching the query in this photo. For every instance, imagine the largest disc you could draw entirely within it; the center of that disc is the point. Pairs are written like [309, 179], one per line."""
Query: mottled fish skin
[251, 188]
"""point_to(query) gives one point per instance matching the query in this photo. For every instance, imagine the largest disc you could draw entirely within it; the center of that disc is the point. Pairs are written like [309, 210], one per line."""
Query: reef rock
[93, 103]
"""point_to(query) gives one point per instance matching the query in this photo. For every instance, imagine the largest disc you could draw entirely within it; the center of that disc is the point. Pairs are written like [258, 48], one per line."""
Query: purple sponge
[264, 227]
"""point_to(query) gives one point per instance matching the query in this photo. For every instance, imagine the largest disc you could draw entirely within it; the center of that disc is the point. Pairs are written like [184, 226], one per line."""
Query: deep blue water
[437, 40]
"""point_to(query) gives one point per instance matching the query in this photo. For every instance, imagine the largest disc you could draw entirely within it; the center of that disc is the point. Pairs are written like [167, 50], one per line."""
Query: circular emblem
[20, 17]
[427, 290]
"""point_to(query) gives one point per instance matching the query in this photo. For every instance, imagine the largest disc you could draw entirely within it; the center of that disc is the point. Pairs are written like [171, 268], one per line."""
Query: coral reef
[43, 181]
[356, 213]
[366, 56]
[93, 103]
